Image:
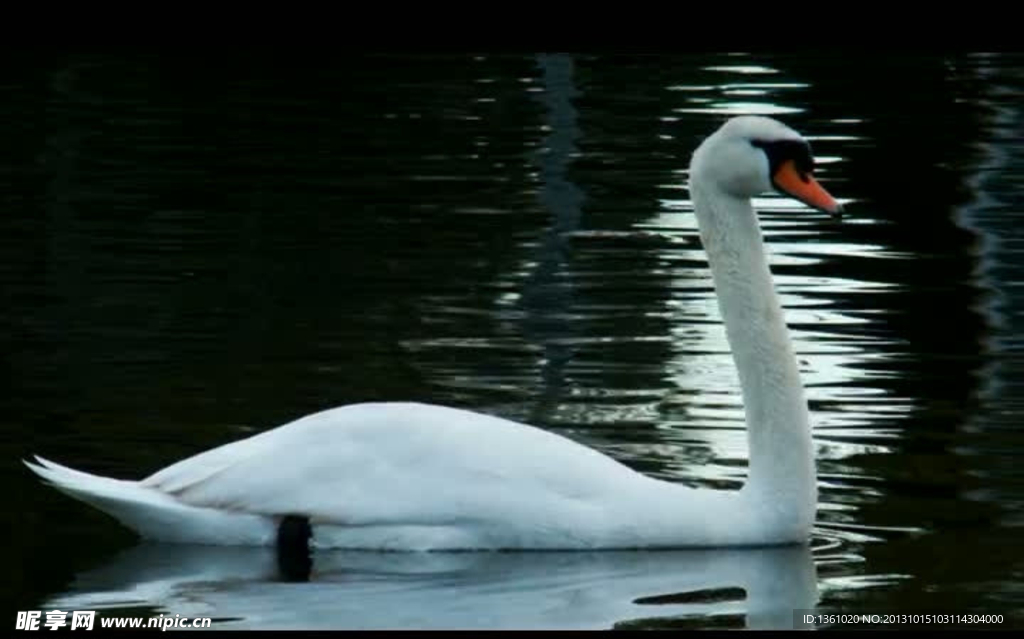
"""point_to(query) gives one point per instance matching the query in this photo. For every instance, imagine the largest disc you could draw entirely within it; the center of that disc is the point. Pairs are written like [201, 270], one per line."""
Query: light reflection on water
[693, 411]
[696, 408]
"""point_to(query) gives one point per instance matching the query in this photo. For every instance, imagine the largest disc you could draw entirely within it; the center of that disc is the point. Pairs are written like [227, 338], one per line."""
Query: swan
[411, 476]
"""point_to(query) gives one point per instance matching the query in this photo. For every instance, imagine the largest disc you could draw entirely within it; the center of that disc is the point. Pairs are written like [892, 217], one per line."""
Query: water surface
[193, 250]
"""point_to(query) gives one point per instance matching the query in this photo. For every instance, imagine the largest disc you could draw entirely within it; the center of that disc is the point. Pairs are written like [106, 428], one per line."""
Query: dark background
[196, 248]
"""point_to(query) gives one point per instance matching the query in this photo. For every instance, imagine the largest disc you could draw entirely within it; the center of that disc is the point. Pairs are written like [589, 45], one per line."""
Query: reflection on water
[192, 252]
[239, 588]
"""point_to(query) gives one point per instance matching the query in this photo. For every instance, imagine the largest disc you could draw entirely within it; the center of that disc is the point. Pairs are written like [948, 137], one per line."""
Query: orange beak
[805, 188]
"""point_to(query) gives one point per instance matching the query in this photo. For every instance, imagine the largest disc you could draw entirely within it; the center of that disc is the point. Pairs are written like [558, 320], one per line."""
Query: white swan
[408, 476]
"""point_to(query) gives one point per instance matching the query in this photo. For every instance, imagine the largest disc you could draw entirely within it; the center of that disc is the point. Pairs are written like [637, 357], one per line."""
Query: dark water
[195, 249]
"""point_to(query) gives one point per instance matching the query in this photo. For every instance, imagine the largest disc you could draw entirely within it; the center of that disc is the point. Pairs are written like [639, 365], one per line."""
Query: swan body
[409, 476]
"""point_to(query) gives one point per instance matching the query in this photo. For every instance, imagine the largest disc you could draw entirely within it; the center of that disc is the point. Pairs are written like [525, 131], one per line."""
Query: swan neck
[782, 465]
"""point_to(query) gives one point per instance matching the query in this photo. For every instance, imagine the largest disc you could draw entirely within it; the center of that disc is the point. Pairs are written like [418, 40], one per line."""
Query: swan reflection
[243, 588]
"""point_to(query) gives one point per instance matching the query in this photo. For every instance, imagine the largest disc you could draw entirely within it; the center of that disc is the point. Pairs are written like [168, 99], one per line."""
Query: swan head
[751, 155]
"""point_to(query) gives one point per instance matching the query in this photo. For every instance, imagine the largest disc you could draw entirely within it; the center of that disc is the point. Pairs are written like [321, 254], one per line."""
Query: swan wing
[398, 463]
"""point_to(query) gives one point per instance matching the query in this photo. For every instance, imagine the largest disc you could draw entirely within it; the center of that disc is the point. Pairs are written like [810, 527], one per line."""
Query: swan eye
[781, 151]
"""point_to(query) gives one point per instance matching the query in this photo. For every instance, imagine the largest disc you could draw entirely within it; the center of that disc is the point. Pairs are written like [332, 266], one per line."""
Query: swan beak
[803, 187]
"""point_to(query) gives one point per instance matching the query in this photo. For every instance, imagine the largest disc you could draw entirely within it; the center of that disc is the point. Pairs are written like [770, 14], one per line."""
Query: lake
[195, 249]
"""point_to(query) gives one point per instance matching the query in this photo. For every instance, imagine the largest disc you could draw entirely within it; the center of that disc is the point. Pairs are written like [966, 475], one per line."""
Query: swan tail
[156, 515]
